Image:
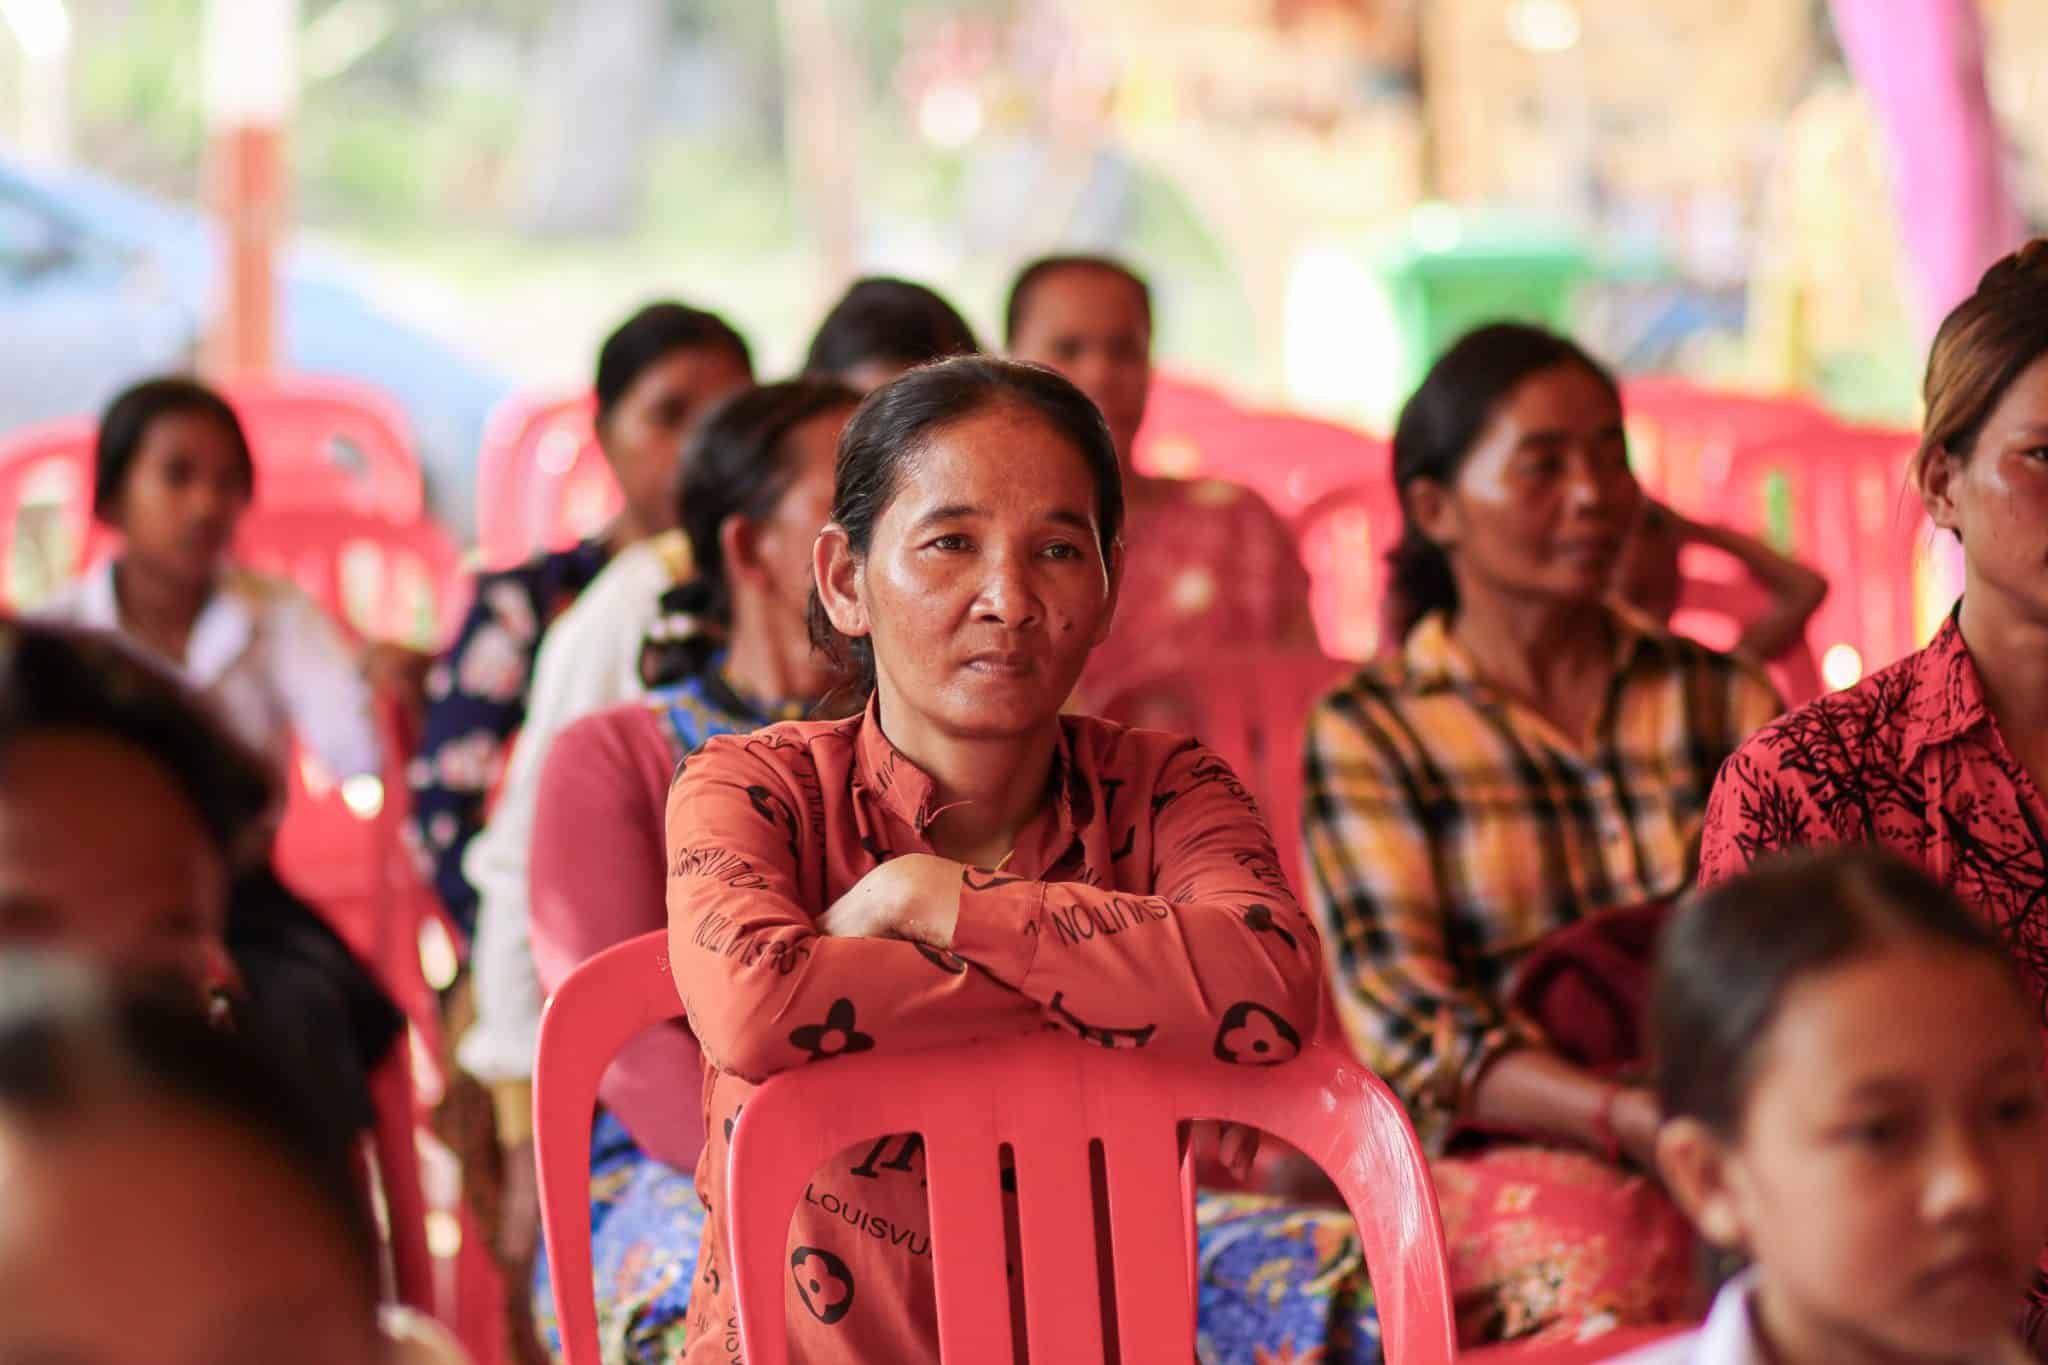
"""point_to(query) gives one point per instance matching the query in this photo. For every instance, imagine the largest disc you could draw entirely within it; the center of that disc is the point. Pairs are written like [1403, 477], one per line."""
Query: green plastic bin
[1450, 272]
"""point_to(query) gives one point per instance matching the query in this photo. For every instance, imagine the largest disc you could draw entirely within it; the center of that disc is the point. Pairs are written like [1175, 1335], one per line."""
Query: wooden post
[41, 29]
[250, 63]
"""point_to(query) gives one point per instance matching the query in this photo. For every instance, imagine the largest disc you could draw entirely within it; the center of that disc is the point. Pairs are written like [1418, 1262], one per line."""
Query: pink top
[599, 826]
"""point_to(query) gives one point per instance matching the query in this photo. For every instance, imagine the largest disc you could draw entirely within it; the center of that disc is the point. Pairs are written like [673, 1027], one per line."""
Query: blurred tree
[822, 103]
[583, 152]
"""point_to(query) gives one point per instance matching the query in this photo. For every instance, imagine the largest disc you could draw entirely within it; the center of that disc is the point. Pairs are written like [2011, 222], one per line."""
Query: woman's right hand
[914, 896]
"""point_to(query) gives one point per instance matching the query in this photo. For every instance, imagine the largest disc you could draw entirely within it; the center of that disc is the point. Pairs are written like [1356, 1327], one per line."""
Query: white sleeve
[588, 660]
[330, 706]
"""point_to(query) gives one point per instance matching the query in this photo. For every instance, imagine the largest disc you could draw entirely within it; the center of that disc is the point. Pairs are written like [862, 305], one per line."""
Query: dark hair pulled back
[887, 321]
[738, 463]
[895, 426]
[55, 680]
[1439, 425]
[649, 337]
[1028, 280]
[126, 424]
[1734, 950]
[71, 1048]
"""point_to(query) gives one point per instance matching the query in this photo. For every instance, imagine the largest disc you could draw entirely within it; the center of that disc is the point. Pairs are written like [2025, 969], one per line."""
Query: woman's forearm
[1796, 591]
[1533, 1091]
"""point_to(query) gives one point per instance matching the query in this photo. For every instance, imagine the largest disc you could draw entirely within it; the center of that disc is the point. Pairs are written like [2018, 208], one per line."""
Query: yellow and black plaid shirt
[1449, 829]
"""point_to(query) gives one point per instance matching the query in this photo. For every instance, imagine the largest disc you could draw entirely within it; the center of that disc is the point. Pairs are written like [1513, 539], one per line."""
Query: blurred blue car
[101, 286]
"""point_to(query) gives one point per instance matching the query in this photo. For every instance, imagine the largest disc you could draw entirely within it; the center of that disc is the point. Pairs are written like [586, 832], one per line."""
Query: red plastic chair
[1290, 459]
[396, 1141]
[1683, 438]
[45, 509]
[598, 1008]
[322, 441]
[1840, 501]
[343, 846]
[1053, 1097]
[1344, 537]
[542, 481]
[384, 580]
[1050, 1099]
[1253, 709]
[319, 443]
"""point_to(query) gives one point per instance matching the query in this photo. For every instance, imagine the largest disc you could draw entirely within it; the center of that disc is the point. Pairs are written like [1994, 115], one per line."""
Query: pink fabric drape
[1921, 64]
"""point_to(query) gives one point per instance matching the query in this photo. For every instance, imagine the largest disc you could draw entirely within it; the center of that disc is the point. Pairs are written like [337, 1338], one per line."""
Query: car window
[30, 239]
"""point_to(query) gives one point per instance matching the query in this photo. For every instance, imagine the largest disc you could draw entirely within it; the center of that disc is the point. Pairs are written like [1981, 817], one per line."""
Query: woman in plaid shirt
[1531, 755]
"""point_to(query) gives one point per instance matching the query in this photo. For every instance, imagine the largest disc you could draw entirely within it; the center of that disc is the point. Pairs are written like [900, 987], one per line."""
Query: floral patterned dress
[476, 702]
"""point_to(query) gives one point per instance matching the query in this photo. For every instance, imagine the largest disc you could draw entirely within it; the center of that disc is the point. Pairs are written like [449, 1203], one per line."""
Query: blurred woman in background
[1210, 566]
[757, 486]
[656, 374]
[1532, 756]
[881, 327]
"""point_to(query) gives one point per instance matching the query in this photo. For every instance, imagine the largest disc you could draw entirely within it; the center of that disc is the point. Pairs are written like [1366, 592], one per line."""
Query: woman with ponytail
[1531, 755]
[734, 654]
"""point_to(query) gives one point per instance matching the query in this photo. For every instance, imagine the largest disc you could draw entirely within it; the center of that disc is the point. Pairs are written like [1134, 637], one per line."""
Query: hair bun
[2026, 266]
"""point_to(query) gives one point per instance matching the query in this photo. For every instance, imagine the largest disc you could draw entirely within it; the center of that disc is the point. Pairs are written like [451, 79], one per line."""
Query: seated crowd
[828, 683]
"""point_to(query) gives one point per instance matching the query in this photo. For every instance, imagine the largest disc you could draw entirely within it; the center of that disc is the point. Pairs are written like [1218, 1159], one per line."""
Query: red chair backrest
[1289, 459]
[598, 1008]
[1048, 1097]
[326, 442]
[542, 480]
[395, 1140]
[1253, 709]
[383, 580]
[1683, 437]
[1344, 536]
[343, 846]
[320, 441]
[1839, 501]
[45, 509]
[1052, 1101]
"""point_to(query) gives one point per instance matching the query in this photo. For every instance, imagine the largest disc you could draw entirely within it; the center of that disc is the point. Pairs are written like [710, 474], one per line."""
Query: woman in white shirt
[1851, 1079]
[174, 475]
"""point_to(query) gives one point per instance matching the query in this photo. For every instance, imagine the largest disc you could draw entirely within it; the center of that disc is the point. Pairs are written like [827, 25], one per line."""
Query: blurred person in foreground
[1943, 756]
[174, 1193]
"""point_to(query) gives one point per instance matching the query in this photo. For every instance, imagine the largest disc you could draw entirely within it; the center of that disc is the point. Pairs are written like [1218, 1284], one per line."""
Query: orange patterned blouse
[1143, 908]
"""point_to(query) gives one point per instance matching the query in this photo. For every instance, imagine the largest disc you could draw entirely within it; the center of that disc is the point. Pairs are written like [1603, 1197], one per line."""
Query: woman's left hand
[915, 896]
